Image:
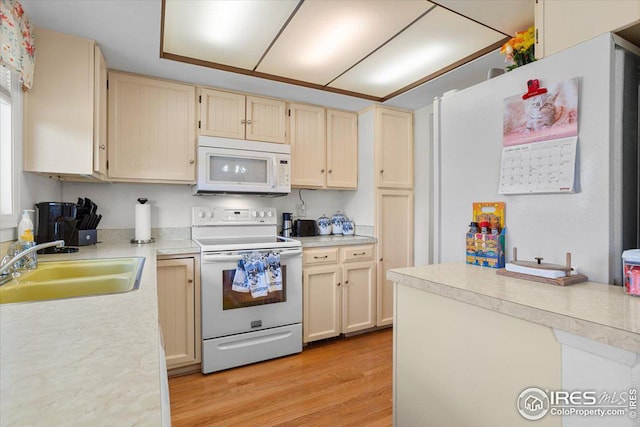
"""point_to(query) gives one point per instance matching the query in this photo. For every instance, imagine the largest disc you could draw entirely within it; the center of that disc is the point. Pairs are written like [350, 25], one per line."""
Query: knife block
[84, 237]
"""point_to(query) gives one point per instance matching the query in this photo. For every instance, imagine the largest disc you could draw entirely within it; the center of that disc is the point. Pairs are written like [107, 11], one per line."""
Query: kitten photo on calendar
[550, 115]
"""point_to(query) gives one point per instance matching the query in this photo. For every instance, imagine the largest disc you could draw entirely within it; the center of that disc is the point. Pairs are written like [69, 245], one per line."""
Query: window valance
[17, 49]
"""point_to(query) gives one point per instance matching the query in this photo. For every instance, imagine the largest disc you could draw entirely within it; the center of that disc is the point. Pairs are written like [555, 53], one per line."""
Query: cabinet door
[321, 305]
[358, 296]
[151, 130]
[307, 139]
[177, 311]
[100, 115]
[394, 228]
[222, 113]
[58, 110]
[562, 24]
[266, 120]
[342, 149]
[393, 148]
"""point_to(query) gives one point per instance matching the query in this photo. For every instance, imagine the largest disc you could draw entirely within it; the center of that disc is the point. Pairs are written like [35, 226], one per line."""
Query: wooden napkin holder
[568, 279]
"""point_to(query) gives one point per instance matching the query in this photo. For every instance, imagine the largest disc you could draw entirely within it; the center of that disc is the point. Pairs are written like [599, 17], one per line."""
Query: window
[9, 91]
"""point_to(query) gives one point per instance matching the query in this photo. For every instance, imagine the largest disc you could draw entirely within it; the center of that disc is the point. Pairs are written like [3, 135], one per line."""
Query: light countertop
[334, 240]
[597, 311]
[86, 361]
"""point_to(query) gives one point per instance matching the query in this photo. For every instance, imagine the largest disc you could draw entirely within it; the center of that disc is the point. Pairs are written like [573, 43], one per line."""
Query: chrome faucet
[7, 261]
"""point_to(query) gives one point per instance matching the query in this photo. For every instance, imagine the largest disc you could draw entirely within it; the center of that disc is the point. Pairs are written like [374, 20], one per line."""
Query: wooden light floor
[342, 382]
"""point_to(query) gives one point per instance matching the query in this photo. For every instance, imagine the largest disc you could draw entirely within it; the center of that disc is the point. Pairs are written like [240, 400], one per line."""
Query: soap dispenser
[25, 241]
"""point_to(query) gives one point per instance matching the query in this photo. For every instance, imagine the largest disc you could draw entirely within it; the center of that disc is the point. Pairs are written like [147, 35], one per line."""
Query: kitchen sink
[68, 279]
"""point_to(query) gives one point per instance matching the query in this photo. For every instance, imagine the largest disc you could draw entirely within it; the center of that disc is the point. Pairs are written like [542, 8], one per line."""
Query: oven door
[226, 311]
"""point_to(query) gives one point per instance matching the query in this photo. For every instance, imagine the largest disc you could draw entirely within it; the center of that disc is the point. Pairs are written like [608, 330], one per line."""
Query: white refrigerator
[598, 220]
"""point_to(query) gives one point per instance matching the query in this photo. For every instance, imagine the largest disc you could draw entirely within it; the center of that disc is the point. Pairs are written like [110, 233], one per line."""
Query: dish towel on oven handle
[258, 273]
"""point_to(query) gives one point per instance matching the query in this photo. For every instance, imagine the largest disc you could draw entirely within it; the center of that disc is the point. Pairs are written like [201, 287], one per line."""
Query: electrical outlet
[301, 211]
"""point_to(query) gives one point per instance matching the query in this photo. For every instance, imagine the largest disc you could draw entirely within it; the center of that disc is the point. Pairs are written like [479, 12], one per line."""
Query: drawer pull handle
[359, 253]
[321, 257]
[338, 283]
[346, 282]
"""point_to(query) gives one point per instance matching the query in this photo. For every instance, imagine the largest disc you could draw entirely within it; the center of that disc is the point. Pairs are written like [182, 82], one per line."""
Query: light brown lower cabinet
[394, 230]
[339, 291]
[179, 312]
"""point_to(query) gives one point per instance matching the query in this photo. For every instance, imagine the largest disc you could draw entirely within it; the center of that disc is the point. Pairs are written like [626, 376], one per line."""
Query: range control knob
[261, 214]
[210, 214]
[269, 214]
[201, 214]
[254, 214]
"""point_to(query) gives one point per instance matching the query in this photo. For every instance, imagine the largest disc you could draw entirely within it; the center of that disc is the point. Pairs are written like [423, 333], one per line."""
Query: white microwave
[229, 166]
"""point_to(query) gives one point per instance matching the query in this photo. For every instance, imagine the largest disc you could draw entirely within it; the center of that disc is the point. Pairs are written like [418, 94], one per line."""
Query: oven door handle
[290, 253]
[237, 257]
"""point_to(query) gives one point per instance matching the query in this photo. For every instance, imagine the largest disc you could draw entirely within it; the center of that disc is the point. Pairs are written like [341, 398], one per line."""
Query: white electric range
[238, 328]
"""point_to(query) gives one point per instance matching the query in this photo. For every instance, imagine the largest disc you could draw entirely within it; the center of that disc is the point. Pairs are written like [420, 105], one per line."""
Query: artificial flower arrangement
[520, 49]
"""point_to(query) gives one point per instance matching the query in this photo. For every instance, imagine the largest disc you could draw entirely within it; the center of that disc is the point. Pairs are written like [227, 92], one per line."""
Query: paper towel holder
[142, 201]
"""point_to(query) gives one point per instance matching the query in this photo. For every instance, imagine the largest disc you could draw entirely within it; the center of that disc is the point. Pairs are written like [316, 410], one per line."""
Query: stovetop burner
[239, 229]
[246, 243]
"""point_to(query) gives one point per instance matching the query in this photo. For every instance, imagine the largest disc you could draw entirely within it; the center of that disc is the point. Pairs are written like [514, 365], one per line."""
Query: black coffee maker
[55, 221]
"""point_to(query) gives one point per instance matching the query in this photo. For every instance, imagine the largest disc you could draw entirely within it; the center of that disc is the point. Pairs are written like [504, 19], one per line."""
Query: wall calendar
[539, 167]
[540, 138]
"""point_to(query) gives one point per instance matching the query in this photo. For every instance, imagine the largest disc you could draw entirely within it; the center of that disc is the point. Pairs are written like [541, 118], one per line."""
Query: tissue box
[83, 238]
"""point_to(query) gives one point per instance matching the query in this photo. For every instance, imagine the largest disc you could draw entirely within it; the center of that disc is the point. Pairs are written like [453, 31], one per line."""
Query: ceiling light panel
[439, 39]
[518, 15]
[235, 33]
[325, 38]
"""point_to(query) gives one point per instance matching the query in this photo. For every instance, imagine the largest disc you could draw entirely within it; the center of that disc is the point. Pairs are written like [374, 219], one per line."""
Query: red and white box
[631, 271]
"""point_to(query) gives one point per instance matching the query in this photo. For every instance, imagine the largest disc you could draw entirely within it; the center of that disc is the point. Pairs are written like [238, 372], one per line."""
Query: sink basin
[68, 279]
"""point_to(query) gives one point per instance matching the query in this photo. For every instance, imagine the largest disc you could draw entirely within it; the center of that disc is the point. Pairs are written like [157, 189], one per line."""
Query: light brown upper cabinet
[152, 135]
[234, 115]
[342, 149]
[562, 24]
[324, 147]
[393, 141]
[65, 115]
[307, 132]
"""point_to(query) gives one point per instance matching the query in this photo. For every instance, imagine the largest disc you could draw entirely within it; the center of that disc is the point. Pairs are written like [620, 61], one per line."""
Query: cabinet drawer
[320, 256]
[357, 253]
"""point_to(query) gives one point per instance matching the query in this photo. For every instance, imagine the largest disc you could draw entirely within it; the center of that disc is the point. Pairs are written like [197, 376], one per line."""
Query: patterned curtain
[17, 50]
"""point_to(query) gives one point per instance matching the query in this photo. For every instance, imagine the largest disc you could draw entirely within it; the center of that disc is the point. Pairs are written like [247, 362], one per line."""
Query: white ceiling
[128, 31]
[371, 49]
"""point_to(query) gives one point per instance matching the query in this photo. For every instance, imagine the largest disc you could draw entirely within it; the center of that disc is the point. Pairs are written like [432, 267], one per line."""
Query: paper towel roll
[143, 222]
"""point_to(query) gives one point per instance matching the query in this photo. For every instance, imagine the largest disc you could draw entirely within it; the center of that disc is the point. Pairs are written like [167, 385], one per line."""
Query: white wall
[171, 204]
